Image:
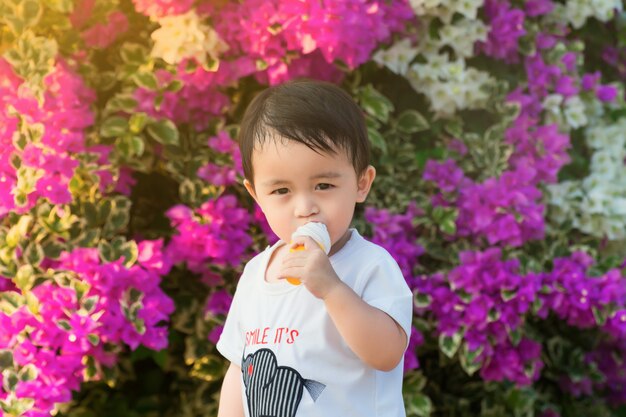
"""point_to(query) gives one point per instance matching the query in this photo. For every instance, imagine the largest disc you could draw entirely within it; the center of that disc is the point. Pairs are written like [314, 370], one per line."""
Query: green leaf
[493, 315]
[113, 127]
[133, 53]
[90, 303]
[130, 252]
[420, 405]
[174, 86]
[422, 300]
[164, 131]
[508, 295]
[25, 277]
[106, 252]
[18, 232]
[118, 221]
[10, 380]
[146, 80]
[515, 336]
[411, 121]
[121, 102]
[137, 145]
[6, 359]
[90, 213]
[62, 6]
[139, 325]
[81, 288]
[422, 156]
[34, 253]
[448, 226]
[449, 345]
[104, 210]
[377, 140]
[53, 248]
[30, 12]
[16, 25]
[137, 122]
[28, 373]
[94, 339]
[469, 360]
[445, 218]
[64, 324]
[18, 406]
[599, 316]
[454, 127]
[374, 103]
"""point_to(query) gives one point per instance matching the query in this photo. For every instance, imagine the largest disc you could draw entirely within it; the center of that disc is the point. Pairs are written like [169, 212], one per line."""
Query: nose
[305, 206]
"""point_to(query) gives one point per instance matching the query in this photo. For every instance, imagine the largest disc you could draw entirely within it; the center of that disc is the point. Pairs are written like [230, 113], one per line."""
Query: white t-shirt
[294, 362]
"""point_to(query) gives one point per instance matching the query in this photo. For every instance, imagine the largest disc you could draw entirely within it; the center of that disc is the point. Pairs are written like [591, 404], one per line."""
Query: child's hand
[311, 266]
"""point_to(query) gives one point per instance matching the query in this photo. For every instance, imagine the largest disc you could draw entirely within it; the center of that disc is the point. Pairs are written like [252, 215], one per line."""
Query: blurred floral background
[499, 135]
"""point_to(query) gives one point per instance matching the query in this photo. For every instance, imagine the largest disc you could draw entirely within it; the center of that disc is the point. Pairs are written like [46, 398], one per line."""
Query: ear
[365, 183]
[250, 187]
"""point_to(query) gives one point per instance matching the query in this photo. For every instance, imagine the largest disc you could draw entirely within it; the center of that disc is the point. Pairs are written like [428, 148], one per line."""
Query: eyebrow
[321, 175]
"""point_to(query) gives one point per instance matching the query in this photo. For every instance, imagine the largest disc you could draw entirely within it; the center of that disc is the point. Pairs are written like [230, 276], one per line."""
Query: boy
[334, 345]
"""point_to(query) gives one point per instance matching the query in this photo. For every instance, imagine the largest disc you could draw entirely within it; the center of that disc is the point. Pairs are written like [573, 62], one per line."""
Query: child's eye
[324, 186]
[280, 191]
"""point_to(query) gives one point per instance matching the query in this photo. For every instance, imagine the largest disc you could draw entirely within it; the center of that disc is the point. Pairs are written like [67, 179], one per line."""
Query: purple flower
[538, 7]
[565, 86]
[606, 93]
[545, 41]
[542, 147]
[590, 80]
[447, 175]
[410, 357]
[507, 26]
[216, 332]
[396, 233]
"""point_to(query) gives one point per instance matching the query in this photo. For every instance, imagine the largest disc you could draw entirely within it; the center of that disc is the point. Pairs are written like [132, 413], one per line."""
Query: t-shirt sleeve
[385, 288]
[231, 341]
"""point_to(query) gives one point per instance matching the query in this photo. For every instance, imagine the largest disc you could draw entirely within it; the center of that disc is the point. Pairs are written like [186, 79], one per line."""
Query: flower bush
[497, 129]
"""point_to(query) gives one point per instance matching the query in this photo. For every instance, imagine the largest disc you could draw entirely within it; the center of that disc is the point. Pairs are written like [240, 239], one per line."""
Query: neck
[340, 243]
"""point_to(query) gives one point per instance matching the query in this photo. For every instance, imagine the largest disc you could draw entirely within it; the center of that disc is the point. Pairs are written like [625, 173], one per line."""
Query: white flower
[449, 85]
[552, 103]
[445, 9]
[397, 57]
[468, 8]
[186, 36]
[604, 10]
[461, 36]
[574, 112]
[596, 204]
[578, 11]
[422, 7]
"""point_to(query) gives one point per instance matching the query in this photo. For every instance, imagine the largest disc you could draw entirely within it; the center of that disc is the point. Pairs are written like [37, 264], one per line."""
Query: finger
[293, 262]
[302, 241]
[290, 273]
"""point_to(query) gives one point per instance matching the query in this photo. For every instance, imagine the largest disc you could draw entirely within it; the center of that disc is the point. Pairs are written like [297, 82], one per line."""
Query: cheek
[339, 220]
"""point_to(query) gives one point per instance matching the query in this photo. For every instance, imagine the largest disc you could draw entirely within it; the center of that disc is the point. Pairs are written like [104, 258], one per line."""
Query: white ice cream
[317, 232]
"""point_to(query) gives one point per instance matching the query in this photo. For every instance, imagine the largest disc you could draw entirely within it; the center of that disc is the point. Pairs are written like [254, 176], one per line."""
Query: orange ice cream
[317, 232]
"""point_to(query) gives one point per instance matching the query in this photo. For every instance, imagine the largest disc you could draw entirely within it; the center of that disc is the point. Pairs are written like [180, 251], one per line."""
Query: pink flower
[218, 302]
[152, 257]
[102, 35]
[217, 174]
[162, 8]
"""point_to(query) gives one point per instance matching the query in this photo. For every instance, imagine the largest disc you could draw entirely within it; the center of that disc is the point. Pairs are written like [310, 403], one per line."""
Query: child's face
[295, 185]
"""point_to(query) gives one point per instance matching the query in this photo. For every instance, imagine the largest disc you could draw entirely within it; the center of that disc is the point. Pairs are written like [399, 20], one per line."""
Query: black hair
[317, 114]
